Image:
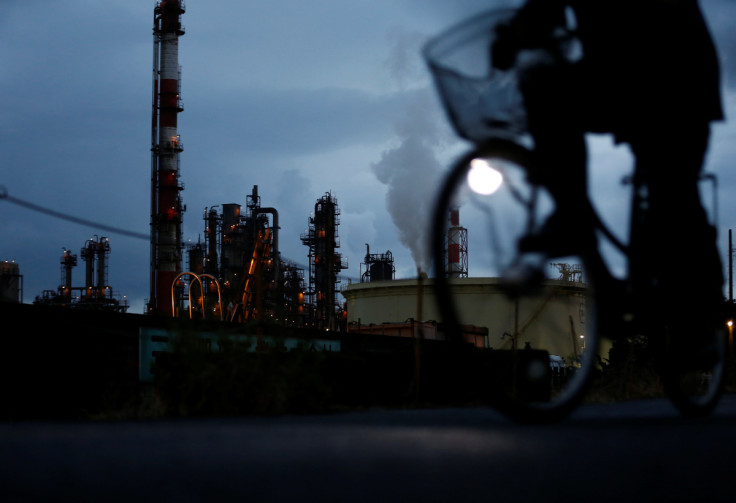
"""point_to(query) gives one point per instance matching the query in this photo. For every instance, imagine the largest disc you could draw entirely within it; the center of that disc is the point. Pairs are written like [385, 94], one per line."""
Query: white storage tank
[554, 319]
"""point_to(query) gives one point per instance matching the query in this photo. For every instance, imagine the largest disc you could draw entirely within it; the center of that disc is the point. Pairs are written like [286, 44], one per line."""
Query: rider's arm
[531, 27]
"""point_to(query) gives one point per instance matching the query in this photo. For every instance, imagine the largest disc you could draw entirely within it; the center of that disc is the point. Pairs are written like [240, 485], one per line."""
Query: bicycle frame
[621, 310]
[486, 106]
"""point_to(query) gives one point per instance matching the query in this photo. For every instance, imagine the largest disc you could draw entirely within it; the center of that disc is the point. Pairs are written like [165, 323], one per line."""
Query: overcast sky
[298, 97]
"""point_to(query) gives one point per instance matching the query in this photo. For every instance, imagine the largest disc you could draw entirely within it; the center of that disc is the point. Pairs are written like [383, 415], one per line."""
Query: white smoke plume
[410, 169]
[411, 173]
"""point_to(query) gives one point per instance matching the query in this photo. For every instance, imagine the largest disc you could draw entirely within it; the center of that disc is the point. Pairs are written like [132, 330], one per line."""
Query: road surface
[633, 451]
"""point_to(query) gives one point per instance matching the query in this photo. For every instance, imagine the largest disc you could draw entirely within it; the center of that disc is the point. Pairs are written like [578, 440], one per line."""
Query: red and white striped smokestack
[166, 207]
[457, 247]
[454, 217]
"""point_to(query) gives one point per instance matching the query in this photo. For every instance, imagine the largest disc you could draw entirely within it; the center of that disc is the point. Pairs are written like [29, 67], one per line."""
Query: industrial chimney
[457, 247]
[166, 207]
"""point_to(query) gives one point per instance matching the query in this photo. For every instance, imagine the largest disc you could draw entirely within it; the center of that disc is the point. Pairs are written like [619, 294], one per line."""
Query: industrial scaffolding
[96, 292]
[325, 263]
[241, 252]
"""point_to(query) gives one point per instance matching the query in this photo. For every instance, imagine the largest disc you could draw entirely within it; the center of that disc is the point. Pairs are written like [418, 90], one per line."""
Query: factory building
[237, 274]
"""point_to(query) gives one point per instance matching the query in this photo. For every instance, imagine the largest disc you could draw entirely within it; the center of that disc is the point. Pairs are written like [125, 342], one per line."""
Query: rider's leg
[554, 122]
[678, 241]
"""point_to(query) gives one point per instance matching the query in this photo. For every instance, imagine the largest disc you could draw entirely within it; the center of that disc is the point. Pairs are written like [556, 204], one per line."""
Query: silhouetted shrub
[193, 380]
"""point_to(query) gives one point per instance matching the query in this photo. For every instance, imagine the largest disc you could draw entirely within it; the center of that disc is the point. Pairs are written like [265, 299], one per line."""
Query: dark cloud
[300, 98]
[296, 121]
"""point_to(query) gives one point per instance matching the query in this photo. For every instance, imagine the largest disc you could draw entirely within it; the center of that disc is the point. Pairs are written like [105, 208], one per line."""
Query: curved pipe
[201, 288]
[219, 294]
[173, 285]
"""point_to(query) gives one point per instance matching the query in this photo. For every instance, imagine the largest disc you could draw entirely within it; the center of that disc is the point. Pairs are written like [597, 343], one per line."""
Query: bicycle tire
[518, 408]
[684, 326]
[695, 386]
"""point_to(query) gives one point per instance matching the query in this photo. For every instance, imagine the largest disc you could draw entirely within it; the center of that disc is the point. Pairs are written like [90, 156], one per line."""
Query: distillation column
[166, 206]
[325, 262]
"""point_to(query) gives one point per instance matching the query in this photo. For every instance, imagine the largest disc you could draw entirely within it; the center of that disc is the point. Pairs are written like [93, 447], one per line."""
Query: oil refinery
[236, 273]
[236, 276]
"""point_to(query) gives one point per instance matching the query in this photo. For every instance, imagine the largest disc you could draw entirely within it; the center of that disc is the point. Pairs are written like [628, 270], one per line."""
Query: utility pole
[730, 267]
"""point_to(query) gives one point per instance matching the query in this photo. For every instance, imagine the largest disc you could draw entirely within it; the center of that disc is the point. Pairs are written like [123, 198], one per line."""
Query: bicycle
[568, 313]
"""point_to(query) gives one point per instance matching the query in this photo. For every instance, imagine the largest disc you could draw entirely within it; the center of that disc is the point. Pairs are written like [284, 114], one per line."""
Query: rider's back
[652, 61]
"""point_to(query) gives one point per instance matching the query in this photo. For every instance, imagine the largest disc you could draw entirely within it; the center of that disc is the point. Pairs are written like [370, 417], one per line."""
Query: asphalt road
[634, 451]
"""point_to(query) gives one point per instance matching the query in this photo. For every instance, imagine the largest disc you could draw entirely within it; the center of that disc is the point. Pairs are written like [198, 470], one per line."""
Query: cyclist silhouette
[649, 74]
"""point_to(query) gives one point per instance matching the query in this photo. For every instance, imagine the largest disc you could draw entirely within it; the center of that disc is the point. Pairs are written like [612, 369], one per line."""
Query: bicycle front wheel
[537, 313]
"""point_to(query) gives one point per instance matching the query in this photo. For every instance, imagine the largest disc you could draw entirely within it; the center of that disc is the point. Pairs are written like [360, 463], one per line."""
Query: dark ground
[56, 365]
[630, 451]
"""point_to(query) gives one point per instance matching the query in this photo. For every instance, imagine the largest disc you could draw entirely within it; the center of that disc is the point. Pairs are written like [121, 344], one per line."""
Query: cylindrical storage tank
[10, 282]
[68, 262]
[381, 271]
[196, 260]
[230, 217]
[481, 303]
[103, 248]
[212, 239]
[88, 255]
[230, 222]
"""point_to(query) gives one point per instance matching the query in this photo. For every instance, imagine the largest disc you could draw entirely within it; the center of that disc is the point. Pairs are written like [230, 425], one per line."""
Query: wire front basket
[482, 102]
